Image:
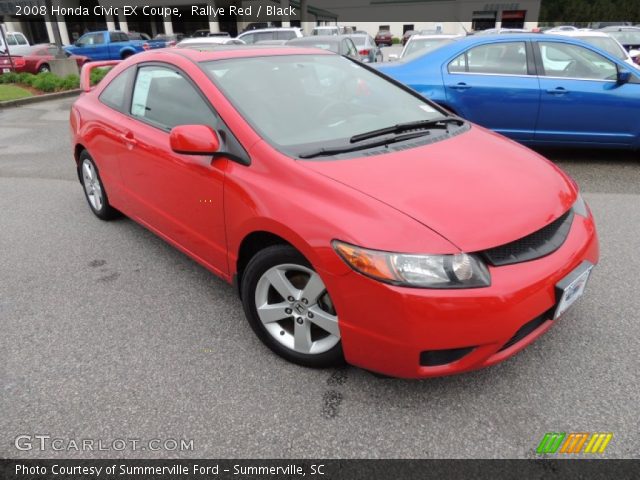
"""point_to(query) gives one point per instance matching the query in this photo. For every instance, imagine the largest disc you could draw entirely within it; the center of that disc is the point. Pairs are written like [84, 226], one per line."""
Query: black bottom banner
[317, 469]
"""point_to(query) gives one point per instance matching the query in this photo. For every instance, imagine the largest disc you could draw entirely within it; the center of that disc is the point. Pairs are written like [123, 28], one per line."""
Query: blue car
[536, 89]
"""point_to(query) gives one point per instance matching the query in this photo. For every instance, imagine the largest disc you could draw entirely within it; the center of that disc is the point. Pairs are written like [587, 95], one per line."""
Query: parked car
[261, 26]
[109, 45]
[10, 64]
[421, 44]
[403, 239]
[38, 59]
[16, 44]
[137, 35]
[367, 49]
[537, 89]
[285, 33]
[407, 35]
[384, 37]
[599, 25]
[201, 33]
[326, 30]
[629, 38]
[605, 42]
[170, 40]
[340, 44]
[196, 42]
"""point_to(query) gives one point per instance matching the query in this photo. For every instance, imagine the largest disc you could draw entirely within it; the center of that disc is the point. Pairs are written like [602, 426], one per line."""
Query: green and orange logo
[574, 443]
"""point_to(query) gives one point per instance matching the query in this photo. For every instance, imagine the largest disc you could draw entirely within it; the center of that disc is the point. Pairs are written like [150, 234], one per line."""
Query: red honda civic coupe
[358, 220]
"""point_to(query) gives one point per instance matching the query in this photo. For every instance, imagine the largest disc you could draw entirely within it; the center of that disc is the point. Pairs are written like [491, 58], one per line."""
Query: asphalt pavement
[108, 333]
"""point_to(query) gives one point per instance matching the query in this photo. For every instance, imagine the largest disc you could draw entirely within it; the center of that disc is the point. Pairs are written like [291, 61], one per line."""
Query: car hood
[477, 189]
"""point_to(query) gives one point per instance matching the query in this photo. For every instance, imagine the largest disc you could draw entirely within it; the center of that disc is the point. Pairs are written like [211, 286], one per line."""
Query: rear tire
[289, 309]
[44, 68]
[94, 190]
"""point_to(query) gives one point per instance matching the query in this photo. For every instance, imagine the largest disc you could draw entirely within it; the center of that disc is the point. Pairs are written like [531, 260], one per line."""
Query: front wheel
[289, 308]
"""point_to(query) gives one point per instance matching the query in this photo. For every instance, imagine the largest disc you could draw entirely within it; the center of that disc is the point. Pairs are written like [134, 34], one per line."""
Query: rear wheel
[289, 308]
[44, 68]
[94, 190]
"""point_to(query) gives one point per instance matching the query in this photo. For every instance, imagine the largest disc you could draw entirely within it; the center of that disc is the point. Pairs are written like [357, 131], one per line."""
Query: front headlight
[425, 271]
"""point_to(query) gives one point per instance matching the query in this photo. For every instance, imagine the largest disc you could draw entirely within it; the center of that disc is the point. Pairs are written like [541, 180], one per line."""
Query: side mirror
[194, 140]
[623, 77]
[393, 57]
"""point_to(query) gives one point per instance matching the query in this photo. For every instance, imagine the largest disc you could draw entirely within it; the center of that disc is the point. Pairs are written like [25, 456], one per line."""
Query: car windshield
[301, 102]
[609, 45]
[420, 46]
[359, 41]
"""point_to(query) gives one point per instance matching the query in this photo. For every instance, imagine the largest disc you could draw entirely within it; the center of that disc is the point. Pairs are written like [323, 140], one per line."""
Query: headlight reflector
[459, 270]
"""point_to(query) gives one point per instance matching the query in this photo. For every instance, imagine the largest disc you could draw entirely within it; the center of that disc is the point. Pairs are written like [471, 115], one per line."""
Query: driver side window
[572, 61]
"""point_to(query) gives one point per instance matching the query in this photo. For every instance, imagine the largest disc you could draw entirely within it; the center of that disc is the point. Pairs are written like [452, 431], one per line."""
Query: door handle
[128, 138]
[460, 86]
[558, 91]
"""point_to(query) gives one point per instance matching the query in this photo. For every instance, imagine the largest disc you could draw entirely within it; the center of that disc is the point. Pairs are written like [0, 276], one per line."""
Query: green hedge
[49, 82]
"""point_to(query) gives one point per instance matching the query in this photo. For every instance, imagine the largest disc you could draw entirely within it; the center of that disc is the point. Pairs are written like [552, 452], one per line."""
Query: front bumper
[388, 329]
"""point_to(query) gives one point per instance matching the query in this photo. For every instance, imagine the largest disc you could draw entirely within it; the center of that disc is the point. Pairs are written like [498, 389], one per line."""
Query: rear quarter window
[115, 95]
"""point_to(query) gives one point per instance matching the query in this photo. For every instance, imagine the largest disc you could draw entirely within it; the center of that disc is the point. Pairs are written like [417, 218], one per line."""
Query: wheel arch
[251, 244]
[126, 52]
[77, 151]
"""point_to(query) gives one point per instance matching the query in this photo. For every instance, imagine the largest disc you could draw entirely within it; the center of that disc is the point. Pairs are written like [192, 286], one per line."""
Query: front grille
[528, 328]
[539, 244]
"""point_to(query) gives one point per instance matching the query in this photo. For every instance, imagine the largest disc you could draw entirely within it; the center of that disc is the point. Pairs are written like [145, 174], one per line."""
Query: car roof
[224, 52]
[316, 38]
[579, 33]
[270, 29]
[434, 36]
[209, 40]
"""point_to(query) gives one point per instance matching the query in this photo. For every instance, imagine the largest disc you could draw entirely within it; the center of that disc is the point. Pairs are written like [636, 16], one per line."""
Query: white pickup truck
[17, 43]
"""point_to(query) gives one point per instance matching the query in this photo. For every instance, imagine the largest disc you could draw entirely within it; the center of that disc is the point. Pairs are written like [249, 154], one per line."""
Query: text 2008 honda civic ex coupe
[359, 221]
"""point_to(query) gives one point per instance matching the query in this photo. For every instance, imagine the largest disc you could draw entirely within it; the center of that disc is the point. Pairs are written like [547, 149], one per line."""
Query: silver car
[367, 49]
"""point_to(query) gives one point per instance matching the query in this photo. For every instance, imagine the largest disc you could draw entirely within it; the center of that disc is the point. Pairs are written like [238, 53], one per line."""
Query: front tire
[289, 308]
[94, 190]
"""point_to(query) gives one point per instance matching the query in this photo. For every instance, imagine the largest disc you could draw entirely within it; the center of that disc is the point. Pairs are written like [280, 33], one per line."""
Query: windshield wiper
[325, 152]
[438, 122]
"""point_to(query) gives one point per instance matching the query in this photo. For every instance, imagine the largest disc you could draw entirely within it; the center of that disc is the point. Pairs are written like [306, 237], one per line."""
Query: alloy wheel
[92, 185]
[293, 305]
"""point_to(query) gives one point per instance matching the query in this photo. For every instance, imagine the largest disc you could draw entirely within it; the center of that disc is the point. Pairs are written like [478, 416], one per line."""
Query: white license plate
[6, 70]
[572, 287]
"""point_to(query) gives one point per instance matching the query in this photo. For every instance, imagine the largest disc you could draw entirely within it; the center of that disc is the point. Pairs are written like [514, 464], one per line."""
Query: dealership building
[398, 16]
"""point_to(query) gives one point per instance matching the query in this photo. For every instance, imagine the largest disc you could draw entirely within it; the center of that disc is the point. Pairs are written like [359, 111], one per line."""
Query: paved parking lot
[108, 332]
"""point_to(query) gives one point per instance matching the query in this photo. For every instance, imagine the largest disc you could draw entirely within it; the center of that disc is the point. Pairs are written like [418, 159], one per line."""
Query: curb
[39, 98]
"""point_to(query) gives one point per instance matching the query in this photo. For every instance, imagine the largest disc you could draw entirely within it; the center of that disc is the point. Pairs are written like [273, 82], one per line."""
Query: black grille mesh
[540, 243]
